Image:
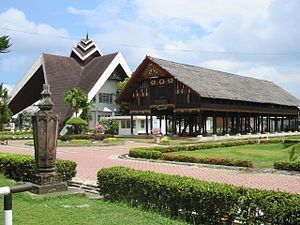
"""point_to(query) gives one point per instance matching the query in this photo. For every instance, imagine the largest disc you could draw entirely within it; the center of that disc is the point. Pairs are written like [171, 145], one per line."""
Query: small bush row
[285, 165]
[206, 160]
[179, 148]
[4, 138]
[145, 153]
[97, 137]
[198, 202]
[22, 167]
[20, 132]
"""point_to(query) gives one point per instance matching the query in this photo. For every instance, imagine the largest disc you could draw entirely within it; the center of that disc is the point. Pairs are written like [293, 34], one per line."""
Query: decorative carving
[161, 81]
[170, 80]
[153, 82]
[152, 70]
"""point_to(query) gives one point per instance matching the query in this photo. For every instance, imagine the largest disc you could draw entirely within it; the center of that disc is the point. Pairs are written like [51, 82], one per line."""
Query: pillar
[226, 123]
[131, 124]
[276, 124]
[166, 122]
[147, 127]
[281, 124]
[214, 123]
[151, 123]
[238, 123]
[174, 123]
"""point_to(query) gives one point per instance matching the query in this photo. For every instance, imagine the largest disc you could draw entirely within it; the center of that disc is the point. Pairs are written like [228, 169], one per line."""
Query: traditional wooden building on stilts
[185, 97]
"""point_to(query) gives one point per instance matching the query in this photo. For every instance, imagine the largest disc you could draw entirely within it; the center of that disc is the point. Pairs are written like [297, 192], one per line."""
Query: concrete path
[91, 159]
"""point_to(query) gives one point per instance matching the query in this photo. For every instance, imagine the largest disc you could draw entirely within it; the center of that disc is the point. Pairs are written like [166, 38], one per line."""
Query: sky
[255, 38]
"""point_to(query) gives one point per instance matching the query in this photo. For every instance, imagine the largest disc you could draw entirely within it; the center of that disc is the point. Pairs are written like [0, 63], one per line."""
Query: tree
[124, 106]
[4, 44]
[78, 125]
[5, 113]
[77, 99]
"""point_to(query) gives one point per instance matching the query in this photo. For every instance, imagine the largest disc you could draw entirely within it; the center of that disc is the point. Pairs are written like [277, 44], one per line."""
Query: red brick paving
[91, 159]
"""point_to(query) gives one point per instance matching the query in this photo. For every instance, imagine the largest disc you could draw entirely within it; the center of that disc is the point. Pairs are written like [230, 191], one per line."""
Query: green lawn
[262, 155]
[76, 209]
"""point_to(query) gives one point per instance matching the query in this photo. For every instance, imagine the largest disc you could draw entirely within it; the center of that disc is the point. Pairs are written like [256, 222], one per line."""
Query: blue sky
[257, 38]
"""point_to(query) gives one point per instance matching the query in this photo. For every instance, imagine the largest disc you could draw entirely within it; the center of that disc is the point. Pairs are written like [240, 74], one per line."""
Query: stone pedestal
[48, 183]
[45, 132]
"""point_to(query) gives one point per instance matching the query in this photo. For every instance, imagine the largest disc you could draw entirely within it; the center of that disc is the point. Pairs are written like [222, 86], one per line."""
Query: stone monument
[45, 133]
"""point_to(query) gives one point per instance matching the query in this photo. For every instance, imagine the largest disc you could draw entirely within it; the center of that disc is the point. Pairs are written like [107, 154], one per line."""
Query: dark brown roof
[215, 84]
[62, 73]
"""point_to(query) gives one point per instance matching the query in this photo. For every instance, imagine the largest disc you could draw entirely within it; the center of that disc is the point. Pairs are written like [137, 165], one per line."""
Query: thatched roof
[215, 84]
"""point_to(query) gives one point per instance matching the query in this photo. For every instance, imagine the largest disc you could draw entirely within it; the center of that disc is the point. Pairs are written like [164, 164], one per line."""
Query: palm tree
[77, 99]
[5, 113]
[4, 44]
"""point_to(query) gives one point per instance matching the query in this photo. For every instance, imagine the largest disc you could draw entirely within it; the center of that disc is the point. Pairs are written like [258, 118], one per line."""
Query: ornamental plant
[156, 131]
[100, 129]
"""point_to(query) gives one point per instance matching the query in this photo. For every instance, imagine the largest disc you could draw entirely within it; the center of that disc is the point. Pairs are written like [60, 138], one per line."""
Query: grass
[262, 155]
[76, 209]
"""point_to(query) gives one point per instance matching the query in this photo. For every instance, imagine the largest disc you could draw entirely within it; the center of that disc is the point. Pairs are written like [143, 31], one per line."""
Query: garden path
[91, 159]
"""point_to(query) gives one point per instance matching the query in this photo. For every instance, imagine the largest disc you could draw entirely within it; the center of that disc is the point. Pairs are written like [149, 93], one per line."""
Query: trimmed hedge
[20, 132]
[160, 152]
[179, 148]
[214, 161]
[22, 167]
[97, 137]
[198, 202]
[144, 153]
[285, 165]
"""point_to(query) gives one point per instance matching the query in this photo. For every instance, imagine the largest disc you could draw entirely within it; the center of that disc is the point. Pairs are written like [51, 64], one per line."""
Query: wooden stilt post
[151, 123]
[214, 123]
[131, 124]
[166, 123]
[226, 123]
[238, 123]
[147, 125]
[276, 124]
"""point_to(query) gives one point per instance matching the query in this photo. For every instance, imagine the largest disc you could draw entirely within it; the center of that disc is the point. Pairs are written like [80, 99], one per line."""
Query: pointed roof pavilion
[86, 68]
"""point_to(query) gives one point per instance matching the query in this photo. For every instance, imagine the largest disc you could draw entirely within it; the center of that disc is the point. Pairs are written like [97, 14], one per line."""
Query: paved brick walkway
[91, 159]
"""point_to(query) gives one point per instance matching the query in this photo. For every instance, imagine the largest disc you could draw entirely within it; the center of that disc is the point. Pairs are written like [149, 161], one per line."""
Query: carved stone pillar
[45, 132]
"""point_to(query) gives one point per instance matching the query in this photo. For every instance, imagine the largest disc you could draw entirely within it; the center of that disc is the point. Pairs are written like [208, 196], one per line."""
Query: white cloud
[205, 13]
[27, 47]
[253, 26]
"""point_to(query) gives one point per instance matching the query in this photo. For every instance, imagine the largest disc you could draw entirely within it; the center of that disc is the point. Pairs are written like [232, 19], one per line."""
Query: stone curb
[236, 168]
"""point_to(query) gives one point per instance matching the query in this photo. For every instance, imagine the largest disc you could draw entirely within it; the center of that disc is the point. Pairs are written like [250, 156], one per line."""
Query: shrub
[80, 141]
[271, 141]
[98, 137]
[285, 165]
[164, 140]
[292, 141]
[78, 125]
[214, 160]
[111, 139]
[145, 154]
[198, 202]
[22, 167]
[111, 126]
[100, 129]
[18, 132]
